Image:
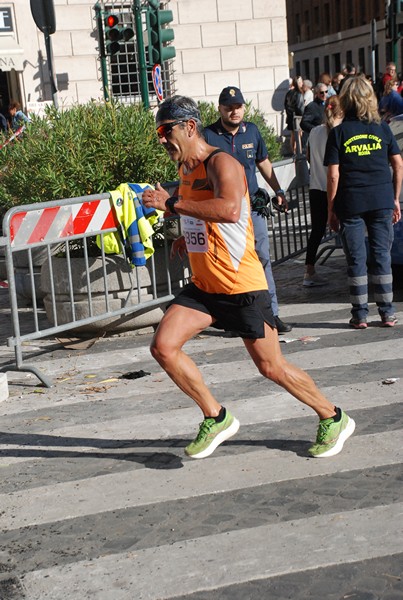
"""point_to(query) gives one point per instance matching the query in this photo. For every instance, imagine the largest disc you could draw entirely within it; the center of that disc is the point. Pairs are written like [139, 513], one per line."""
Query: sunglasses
[323, 93]
[164, 130]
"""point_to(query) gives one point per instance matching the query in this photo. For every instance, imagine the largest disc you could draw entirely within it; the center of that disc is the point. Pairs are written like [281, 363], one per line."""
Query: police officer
[243, 140]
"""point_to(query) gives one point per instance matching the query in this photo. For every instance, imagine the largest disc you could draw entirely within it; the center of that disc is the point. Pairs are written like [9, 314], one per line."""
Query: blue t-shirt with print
[362, 151]
[247, 146]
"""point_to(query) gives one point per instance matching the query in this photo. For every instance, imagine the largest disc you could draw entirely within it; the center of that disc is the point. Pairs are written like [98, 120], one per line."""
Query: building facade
[325, 36]
[218, 43]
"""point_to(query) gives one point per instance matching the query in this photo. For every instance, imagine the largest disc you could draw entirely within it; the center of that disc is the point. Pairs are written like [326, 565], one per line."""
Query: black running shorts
[243, 314]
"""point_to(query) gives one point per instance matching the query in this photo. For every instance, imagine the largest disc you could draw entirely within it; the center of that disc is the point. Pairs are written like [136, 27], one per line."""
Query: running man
[228, 288]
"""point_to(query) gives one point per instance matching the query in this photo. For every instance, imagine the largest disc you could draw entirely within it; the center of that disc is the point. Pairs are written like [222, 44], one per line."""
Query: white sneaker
[313, 280]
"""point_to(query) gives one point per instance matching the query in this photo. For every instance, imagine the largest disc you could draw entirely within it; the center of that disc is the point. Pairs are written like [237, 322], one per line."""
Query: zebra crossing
[99, 501]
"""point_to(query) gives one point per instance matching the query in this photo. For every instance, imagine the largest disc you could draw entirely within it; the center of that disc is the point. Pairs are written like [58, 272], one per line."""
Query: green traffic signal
[158, 34]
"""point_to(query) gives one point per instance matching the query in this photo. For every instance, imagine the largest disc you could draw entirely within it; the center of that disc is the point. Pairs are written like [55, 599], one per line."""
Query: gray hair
[319, 87]
[308, 83]
[179, 108]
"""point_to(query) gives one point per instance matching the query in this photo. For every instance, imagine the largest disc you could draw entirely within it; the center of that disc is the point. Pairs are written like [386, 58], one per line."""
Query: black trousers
[318, 206]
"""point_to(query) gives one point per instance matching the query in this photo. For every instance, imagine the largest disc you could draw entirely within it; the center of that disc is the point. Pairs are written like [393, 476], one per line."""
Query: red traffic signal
[111, 20]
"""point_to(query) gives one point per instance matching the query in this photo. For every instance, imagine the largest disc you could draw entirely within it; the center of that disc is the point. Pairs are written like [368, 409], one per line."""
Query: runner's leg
[179, 325]
[268, 358]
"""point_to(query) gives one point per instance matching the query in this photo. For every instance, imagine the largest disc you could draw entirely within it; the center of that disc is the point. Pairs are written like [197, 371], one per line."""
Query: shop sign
[6, 22]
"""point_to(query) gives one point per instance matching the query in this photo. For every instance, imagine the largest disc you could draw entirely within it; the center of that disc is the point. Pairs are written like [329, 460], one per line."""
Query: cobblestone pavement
[98, 500]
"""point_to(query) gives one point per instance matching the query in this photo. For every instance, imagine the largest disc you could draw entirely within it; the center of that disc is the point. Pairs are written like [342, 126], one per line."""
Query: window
[349, 57]
[306, 73]
[298, 26]
[362, 6]
[326, 10]
[336, 63]
[361, 59]
[326, 63]
[316, 69]
[338, 19]
[307, 25]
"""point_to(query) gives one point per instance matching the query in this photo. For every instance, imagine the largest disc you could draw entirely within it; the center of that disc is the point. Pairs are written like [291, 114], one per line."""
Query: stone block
[279, 30]
[188, 36]
[72, 20]
[79, 68]
[191, 84]
[218, 34]
[215, 82]
[191, 11]
[254, 32]
[201, 60]
[274, 8]
[61, 45]
[83, 44]
[230, 10]
[241, 56]
[256, 80]
[271, 55]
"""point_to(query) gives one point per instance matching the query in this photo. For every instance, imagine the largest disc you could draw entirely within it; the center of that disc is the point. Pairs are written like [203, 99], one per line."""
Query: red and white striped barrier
[61, 222]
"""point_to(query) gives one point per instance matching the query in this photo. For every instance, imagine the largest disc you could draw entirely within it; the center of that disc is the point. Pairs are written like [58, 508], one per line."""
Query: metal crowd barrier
[289, 232]
[56, 227]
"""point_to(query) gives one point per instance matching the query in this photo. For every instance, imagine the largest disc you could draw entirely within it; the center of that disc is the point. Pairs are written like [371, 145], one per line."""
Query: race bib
[195, 234]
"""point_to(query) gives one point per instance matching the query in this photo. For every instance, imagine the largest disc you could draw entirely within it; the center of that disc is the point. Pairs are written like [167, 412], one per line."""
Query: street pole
[141, 54]
[373, 48]
[102, 53]
[49, 56]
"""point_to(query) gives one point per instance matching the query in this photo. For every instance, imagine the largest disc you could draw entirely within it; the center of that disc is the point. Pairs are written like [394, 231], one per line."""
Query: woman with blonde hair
[363, 198]
[317, 187]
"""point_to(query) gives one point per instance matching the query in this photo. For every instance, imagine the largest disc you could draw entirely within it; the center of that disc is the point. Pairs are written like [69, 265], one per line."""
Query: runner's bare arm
[226, 178]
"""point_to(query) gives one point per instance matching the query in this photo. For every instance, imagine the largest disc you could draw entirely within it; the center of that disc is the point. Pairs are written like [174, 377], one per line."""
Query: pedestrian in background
[243, 140]
[391, 102]
[327, 80]
[348, 72]
[18, 118]
[314, 113]
[336, 79]
[228, 289]
[294, 107]
[307, 89]
[318, 187]
[362, 197]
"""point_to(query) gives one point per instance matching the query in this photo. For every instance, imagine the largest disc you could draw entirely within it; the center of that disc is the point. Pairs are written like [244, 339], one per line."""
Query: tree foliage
[92, 148]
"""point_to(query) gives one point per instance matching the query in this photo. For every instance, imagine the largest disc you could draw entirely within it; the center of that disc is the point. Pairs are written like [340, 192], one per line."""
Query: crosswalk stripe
[120, 490]
[276, 406]
[215, 561]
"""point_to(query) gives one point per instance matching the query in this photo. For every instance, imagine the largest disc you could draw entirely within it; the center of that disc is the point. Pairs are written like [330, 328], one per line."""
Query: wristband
[170, 204]
[280, 193]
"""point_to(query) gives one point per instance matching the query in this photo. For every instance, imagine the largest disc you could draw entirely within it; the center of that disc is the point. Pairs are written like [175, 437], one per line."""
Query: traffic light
[115, 34]
[158, 35]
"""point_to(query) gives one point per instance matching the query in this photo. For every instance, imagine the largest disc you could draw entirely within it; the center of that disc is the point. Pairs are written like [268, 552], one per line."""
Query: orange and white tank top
[222, 255]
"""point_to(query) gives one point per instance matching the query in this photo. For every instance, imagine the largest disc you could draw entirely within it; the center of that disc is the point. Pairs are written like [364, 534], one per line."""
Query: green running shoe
[331, 436]
[211, 435]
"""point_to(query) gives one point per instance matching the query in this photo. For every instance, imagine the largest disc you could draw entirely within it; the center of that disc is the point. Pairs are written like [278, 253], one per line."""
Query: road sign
[157, 81]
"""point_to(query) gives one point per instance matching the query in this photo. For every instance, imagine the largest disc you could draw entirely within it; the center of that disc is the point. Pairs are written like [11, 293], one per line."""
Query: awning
[11, 55]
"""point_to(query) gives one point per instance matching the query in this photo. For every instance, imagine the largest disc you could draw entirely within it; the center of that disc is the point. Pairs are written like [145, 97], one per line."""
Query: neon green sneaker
[211, 435]
[331, 436]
